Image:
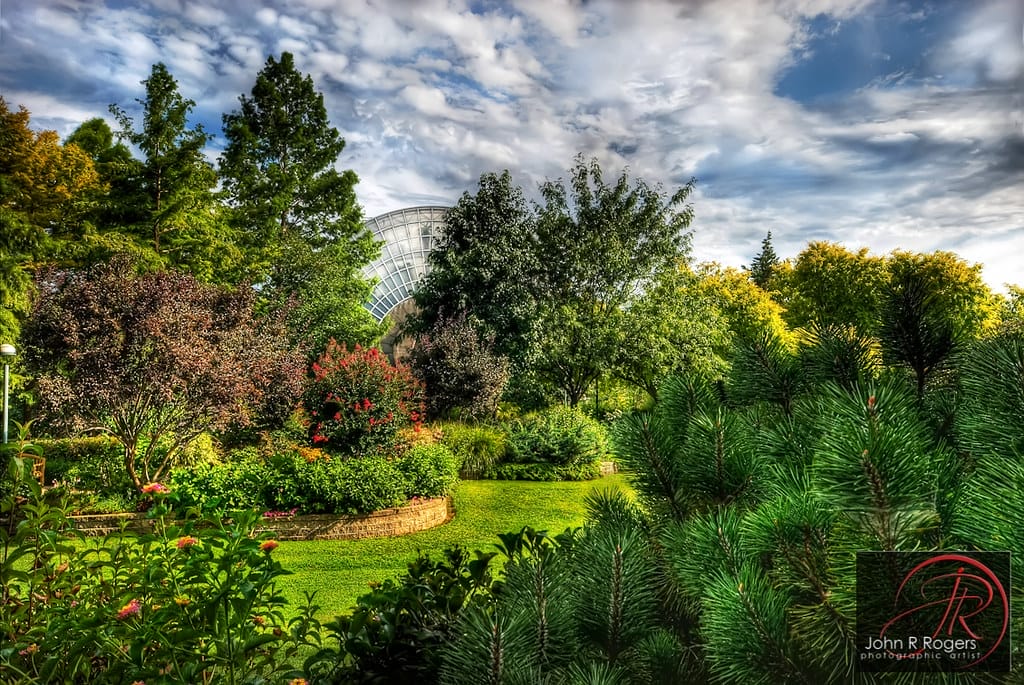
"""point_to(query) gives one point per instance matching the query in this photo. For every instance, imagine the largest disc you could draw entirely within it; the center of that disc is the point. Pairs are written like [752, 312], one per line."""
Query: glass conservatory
[409, 235]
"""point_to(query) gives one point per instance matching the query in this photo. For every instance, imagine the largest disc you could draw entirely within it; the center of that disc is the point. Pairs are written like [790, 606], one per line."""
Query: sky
[884, 124]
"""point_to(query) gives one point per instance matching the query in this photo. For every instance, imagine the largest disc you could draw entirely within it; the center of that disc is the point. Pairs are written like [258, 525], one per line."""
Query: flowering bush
[190, 603]
[357, 401]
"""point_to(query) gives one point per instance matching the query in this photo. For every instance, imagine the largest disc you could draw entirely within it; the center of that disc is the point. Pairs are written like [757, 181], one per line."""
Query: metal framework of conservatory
[409, 235]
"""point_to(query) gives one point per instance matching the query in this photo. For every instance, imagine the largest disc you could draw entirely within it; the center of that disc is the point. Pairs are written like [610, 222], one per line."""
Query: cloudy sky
[882, 124]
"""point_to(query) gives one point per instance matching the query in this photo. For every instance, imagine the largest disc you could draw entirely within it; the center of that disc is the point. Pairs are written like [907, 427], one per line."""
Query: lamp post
[7, 351]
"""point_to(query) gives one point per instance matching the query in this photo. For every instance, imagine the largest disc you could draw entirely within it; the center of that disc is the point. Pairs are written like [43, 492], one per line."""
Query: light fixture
[7, 350]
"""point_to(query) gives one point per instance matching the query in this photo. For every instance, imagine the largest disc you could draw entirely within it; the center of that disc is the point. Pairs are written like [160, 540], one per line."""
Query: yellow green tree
[748, 310]
[932, 304]
[830, 285]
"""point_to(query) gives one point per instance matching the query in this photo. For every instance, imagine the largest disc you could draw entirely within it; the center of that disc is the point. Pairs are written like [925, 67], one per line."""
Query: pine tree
[763, 266]
[174, 211]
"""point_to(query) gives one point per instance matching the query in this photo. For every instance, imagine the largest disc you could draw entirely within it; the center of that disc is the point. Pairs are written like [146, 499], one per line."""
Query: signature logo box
[933, 611]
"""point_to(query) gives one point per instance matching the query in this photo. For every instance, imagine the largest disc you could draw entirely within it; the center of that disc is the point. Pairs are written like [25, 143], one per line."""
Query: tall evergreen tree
[763, 266]
[290, 202]
[122, 201]
[176, 210]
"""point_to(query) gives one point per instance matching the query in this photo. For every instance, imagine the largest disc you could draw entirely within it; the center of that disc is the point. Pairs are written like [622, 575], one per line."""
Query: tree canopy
[485, 267]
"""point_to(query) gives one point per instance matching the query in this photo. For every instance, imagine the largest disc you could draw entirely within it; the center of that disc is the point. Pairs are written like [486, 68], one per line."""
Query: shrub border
[411, 518]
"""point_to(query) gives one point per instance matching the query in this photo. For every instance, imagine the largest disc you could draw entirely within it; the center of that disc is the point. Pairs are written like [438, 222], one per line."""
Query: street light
[7, 351]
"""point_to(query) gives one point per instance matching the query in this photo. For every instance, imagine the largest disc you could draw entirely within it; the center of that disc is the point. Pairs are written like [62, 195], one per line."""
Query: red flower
[268, 546]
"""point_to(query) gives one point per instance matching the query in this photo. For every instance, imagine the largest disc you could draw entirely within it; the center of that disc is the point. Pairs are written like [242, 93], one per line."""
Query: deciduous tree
[932, 304]
[44, 192]
[486, 265]
[832, 286]
[600, 245]
[154, 359]
[673, 328]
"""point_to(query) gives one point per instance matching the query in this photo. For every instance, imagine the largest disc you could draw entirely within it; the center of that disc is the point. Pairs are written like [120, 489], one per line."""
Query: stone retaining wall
[411, 518]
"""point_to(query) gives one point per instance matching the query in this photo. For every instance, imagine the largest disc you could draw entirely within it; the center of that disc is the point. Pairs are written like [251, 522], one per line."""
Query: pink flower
[153, 488]
[132, 608]
[269, 545]
[187, 541]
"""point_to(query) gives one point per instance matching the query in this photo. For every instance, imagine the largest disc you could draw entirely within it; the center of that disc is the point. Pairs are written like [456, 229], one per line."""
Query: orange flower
[269, 545]
[187, 541]
[132, 608]
[153, 488]
[297, 681]
[182, 601]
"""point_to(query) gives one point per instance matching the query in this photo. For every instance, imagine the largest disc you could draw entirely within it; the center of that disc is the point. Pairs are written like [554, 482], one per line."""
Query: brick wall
[411, 518]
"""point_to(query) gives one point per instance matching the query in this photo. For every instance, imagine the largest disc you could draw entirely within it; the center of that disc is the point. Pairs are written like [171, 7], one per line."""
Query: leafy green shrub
[357, 401]
[80, 502]
[92, 463]
[231, 486]
[562, 436]
[305, 479]
[370, 483]
[543, 472]
[476, 447]
[429, 471]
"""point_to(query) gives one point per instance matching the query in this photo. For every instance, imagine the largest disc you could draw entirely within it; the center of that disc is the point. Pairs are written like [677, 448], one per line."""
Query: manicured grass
[341, 570]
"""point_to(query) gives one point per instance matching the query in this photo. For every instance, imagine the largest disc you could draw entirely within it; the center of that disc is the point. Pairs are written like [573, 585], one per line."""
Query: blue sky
[879, 124]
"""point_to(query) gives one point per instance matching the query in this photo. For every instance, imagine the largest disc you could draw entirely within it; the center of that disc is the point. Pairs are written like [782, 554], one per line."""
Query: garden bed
[411, 518]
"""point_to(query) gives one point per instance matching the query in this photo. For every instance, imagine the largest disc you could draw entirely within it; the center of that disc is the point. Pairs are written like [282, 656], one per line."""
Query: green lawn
[340, 570]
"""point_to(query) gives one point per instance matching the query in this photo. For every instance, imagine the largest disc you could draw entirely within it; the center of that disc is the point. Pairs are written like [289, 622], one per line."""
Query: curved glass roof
[409, 235]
